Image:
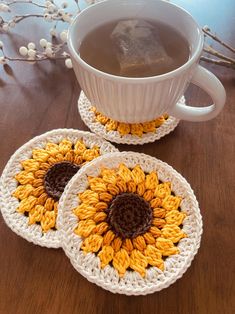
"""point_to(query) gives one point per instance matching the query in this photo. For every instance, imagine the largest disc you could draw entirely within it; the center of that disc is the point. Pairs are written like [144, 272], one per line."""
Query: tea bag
[138, 47]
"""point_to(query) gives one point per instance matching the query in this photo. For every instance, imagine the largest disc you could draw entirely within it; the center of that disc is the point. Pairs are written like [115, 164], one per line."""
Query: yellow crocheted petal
[159, 213]
[23, 191]
[52, 148]
[172, 251]
[116, 244]
[108, 237]
[159, 121]
[40, 155]
[111, 125]
[149, 238]
[105, 197]
[56, 207]
[92, 243]
[42, 199]
[137, 174]
[166, 246]
[38, 191]
[127, 245]
[137, 129]
[109, 176]
[93, 109]
[141, 188]
[148, 195]
[155, 231]
[25, 177]
[35, 215]
[159, 222]
[59, 157]
[27, 204]
[156, 202]
[121, 184]
[44, 166]
[175, 217]
[89, 197]
[90, 154]
[173, 233]
[151, 181]
[65, 146]
[138, 262]
[113, 189]
[139, 243]
[97, 184]
[171, 202]
[79, 147]
[84, 211]
[131, 186]
[85, 228]
[124, 173]
[48, 221]
[52, 160]
[101, 228]
[37, 182]
[149, 127]
[101, 206]
[123, 128]
[39, 174]
[99, 217]
[154, 257]
[162, 190]
[30, 165]
[121, 261]
[106, 255]
[69, 156]
[101, 118]
[49, 204]
[78, 160]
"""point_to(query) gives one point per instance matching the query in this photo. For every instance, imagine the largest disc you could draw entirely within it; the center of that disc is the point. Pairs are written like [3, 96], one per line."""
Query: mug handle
[208, 82]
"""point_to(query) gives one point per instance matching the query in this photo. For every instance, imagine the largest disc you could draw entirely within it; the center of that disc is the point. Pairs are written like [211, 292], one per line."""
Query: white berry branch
[44, 50]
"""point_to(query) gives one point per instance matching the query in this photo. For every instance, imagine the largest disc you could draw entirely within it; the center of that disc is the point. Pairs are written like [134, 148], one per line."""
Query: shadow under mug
[135, 100]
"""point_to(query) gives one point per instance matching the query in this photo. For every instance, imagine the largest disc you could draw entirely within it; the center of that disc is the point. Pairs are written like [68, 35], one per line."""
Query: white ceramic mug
[134, 100]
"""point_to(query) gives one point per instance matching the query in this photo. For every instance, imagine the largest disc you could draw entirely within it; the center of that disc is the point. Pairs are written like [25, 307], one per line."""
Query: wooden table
[37, 98]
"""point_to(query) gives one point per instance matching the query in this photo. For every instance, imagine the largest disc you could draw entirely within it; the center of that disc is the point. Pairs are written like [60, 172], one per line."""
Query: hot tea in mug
[135, 48]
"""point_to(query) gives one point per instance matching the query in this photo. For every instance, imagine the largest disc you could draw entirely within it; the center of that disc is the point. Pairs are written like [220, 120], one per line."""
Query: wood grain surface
[38, 98]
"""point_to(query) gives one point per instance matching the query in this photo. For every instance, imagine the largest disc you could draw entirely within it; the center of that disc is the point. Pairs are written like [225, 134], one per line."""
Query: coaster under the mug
[88, 116]
[55, 179]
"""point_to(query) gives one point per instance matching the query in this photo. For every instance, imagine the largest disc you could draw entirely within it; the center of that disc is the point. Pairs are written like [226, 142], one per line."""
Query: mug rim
[193, 59]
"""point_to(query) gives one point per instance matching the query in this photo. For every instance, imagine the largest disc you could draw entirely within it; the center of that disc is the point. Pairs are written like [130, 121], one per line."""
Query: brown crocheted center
[57, 178]
[129, 215]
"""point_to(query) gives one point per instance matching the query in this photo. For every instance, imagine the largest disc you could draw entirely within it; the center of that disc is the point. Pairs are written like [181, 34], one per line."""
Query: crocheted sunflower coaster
[35, 178]
[130, 223]
[124, 133]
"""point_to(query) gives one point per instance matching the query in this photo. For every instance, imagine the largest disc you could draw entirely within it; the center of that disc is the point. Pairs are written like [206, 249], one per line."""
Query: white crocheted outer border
[88, 117]
[19, 222]
[132, 283]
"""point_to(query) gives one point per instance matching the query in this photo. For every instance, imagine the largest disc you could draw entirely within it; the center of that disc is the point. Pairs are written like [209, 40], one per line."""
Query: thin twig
[34, 60]
[206, 30]
[76, 1]
[19, 18]
[26, 2]
[218, 62]
[215, 53]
